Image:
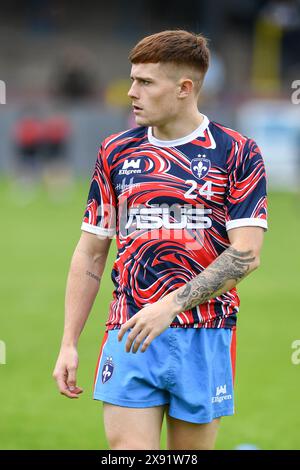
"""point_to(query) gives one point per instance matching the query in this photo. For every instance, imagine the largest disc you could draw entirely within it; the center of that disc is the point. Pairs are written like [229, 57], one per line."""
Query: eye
[145, 82]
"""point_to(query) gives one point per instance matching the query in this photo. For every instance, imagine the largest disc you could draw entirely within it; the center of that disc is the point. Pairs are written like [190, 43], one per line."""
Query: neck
[178, 127]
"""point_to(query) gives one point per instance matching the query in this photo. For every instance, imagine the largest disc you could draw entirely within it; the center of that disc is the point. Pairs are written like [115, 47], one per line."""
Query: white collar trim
[183, 140]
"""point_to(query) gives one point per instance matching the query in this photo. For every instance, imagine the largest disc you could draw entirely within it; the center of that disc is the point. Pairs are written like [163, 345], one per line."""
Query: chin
[142, 122]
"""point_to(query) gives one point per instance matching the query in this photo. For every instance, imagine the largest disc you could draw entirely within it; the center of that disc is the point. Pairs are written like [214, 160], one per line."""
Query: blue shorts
[190, 369]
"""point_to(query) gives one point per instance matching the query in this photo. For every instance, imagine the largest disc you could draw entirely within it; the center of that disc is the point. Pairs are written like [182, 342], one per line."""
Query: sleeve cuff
[98, 230]
[247, 222]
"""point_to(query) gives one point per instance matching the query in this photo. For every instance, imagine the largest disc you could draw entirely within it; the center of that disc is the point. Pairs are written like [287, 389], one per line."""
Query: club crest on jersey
[107, 370]
[200, 166]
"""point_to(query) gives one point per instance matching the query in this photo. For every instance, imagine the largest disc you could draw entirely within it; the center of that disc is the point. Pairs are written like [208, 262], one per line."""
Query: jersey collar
[183, 140]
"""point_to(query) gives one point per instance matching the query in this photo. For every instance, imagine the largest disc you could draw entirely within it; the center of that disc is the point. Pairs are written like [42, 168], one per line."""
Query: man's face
[154, 94]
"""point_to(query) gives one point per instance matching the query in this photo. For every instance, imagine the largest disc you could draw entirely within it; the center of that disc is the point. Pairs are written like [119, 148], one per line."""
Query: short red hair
[175, 46]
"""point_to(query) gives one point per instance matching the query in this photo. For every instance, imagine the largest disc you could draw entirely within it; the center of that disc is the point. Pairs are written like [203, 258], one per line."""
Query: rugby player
[185, 198]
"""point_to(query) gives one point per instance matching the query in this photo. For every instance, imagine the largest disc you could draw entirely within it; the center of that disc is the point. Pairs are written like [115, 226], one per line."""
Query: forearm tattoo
[230, 265]
[93, 276]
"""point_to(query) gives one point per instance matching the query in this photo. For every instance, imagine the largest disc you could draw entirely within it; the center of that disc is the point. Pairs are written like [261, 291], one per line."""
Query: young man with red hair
[186, 198]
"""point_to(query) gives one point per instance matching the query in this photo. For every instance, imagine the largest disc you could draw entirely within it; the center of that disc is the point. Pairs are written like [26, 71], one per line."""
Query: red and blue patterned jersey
[170, 205]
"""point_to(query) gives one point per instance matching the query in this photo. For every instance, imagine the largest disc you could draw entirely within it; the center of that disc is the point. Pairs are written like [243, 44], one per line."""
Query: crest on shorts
[107, 370]
[200, 166]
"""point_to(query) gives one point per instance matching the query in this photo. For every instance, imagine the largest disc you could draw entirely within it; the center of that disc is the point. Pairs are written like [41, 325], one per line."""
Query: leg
[189, 436]
[133, 428]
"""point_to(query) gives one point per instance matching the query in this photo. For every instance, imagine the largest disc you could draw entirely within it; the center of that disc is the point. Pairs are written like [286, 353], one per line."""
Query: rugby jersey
[169, 204]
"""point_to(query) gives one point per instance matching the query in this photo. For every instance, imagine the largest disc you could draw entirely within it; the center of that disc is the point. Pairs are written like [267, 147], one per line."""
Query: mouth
[136, 108]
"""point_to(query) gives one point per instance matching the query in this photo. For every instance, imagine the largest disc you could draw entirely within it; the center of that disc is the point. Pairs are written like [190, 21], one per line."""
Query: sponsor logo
[221, 395]
[174, 217]
[123, 186]
[130, 166]
[107, 370]
[221, 389]
[200, 166]
[140, 165]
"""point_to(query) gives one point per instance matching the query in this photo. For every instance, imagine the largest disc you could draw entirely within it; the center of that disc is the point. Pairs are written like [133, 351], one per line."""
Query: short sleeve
[100, 213]
[246, 201]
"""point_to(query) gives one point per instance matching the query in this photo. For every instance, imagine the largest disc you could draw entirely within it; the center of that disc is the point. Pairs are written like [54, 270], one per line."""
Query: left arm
[235, 263]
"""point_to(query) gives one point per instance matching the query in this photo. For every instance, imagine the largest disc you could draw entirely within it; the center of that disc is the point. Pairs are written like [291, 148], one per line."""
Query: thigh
[133, 428]
[130, 380]
[201, 382]
[183, 435]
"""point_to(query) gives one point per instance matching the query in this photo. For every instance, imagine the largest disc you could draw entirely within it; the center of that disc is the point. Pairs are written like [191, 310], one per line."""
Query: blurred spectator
[57, 173]
[28, 141]
[56, 133]
[75, 77]
[42, 155]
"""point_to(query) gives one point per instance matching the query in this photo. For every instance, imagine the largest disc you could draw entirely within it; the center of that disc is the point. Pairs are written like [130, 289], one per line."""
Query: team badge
[107, 370]
[200, 166]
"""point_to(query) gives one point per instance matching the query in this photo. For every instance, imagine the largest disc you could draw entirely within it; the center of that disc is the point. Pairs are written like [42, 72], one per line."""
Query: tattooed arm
[86, 269]
[222, 275]
[236, 262]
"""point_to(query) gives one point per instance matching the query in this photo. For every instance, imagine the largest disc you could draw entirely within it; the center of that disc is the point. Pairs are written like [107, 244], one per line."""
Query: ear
[185, 88]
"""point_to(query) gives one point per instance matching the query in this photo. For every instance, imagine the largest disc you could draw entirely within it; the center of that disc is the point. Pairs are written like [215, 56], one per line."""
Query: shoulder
[238, 146]
[227, 135]
[130, 137]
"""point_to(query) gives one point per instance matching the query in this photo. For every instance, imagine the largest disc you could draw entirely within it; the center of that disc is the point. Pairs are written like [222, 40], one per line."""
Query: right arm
[87, 266]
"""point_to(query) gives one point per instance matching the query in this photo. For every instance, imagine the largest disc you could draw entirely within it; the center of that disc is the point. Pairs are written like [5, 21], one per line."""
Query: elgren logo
[2, 92]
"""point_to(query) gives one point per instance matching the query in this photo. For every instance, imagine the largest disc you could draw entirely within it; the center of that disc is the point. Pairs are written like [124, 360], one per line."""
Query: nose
[132, 93]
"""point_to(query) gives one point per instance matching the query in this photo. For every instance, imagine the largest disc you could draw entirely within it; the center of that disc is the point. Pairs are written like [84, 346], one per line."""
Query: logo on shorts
[200, 166]
[221, 395]
[107, 370]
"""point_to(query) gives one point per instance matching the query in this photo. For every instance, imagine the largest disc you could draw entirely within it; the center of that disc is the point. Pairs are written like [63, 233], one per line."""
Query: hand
[148, 323]
[65, 372]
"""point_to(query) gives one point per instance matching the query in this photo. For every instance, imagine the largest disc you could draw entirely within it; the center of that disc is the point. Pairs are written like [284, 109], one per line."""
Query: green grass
[37, 241]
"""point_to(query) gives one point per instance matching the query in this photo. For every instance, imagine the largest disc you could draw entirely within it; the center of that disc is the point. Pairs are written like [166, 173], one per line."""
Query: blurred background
[64, 77]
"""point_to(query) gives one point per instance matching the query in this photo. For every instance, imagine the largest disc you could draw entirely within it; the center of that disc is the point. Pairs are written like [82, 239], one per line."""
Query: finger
[129, 324]
[63, 388]
[71, 381]
[132, 336]
[147, 342]
[139, 339]
[75, 389]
